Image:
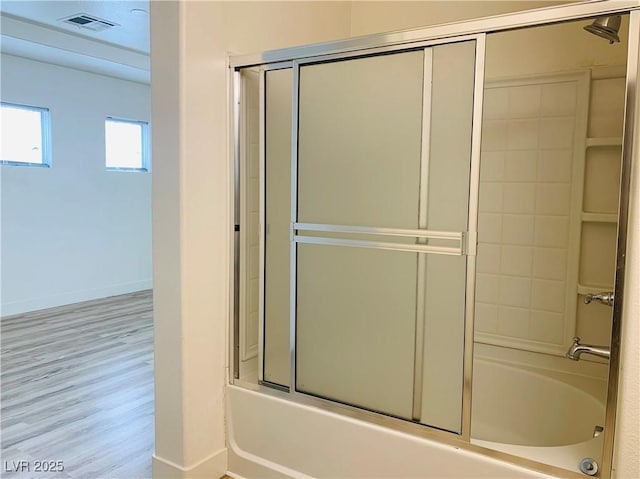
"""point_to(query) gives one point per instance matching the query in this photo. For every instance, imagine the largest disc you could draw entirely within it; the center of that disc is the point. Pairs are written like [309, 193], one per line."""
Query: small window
[26, 133]
[127, 145]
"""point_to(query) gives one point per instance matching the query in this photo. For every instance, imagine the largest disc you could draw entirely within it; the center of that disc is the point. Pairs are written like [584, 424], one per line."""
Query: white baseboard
[211, 467]
[51, 301]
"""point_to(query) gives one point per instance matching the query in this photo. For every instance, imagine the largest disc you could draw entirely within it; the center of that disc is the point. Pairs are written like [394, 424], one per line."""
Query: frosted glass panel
[356, 326]
[385, 142]
[447, 206]
[444, 310]
[449, 146]
[359, 141]
[277, 360]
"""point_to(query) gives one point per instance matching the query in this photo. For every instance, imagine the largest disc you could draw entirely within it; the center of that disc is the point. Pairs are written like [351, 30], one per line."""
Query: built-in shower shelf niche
[601, 185]
[601, 179]
[599, 207]
[608, 141]
[599, 217]
[598, 253]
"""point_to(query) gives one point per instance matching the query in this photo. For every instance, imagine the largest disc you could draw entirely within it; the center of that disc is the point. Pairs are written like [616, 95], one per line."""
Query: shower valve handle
[604, 298]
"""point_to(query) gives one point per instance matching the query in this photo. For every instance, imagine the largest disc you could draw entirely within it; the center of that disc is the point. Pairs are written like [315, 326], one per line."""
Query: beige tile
[492, 166]
[486, 318]
[494, 135]
[487, 288]
[515, 291]
[253, 154]
[495, 104]
[520, 165]
[253, 227]
[547, 327]
[513, 322]
[517, 229]
[253, 288]
[559, 99]
[522, 134]
[489, 227]
[552, 231]
[253, 260]
[555, 165]
[519, 198]
[516, 260]
[253, 126]
[488, 259]
[547, 295]
[553, 199]
[254, 195]
[491, 197]
[557, 132]
[524, 101]
[550, 263]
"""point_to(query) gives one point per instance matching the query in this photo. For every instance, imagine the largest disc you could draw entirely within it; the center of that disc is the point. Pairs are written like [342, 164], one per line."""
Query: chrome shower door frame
[413, 39]
[465, 241]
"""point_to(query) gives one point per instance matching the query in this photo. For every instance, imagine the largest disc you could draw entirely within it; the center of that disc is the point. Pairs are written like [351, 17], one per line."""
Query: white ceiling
[132, 32]
[33, 29]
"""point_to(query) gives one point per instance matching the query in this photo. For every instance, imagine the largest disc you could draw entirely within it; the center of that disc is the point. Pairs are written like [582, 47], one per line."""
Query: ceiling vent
[89, 22]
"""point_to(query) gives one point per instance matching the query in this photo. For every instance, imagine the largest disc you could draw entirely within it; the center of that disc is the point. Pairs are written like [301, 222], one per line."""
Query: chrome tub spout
[576, 350]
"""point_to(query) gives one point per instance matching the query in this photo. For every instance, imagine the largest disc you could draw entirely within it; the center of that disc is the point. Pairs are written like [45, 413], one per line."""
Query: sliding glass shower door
[358, 166]
[365, 255]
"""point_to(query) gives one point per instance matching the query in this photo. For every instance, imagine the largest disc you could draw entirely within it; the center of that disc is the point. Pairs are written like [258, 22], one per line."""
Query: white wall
[192, 229]
[74, 231]
[370, 17]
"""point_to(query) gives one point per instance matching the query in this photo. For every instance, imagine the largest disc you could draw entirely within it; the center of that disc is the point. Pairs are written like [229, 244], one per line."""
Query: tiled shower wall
[529, 265]
[525, 206]
[250, 211]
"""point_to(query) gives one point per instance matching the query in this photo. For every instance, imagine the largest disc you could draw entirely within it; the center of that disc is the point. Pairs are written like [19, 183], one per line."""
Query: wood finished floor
[77, 387]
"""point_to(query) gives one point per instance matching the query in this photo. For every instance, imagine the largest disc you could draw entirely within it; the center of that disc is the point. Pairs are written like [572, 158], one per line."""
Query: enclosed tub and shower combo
[429, 246]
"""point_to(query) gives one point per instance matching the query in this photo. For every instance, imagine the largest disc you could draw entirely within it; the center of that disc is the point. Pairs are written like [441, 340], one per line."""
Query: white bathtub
[544, 415]
[276, 438]
[270, 437]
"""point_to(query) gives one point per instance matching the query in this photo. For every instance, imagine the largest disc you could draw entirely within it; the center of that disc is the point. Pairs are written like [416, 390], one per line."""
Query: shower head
[606, 27]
